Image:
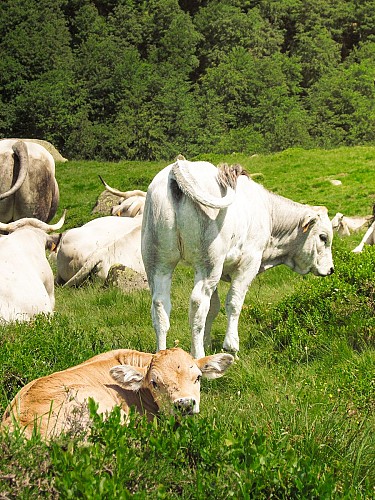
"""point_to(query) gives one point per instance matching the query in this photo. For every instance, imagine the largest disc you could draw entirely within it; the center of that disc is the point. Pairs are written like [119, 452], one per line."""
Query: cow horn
[20, 150]
[125, 194]
[30, 221]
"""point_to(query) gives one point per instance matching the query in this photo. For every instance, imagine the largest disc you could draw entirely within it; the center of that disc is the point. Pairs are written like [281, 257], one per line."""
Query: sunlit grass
[294, 416]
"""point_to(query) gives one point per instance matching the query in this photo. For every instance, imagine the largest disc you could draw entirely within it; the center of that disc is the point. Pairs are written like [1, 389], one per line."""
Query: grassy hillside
[293, 418]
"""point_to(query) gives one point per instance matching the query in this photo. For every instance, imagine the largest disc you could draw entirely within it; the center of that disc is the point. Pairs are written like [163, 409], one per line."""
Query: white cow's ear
[214, 366]
[308, 222]
[127, 376]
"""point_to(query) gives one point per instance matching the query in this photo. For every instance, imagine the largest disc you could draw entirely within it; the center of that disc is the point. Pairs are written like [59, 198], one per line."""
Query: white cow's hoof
[234, 352]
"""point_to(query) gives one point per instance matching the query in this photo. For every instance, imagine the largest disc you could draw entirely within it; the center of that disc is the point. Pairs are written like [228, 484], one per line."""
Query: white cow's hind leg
[233, 305]
[212, 313]
[199, 306]
[161, 307]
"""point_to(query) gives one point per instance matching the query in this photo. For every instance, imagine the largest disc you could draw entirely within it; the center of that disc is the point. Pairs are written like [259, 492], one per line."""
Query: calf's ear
[215, 366]
[127, 376]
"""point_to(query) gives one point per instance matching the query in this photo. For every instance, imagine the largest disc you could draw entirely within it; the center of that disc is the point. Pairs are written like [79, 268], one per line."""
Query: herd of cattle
[221, 222]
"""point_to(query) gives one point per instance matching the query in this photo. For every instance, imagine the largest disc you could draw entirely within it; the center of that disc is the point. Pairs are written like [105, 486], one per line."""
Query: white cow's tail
[189, 184]
[20, 150]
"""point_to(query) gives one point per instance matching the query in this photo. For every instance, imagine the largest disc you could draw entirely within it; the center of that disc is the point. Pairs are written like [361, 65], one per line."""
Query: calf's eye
[198, 379]
[323, 237]
[154, 384]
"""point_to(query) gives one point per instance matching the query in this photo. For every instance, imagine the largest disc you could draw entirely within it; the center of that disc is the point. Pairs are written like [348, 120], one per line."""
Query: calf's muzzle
[186, 406]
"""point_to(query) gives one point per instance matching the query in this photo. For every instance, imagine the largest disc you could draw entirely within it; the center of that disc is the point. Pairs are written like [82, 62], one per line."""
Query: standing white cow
[368, 239]
[28, 187]
[98, 245]
[26, 284]
[226, 226]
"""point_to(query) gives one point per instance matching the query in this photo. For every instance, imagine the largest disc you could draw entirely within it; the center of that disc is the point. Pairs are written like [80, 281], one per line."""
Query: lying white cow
[131, 203]
[344, 226]
[226, 226]
[96, 246]
[168, 380]
[28, 187]
[368, 239]
[26, 284]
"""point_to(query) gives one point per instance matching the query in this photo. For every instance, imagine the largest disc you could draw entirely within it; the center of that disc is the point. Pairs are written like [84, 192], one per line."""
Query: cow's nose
[332, 270]
[186, 406]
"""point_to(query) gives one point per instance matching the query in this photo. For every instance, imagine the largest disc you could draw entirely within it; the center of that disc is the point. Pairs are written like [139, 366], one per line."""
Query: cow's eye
[154, 384]
[323, 237]
[198, 379]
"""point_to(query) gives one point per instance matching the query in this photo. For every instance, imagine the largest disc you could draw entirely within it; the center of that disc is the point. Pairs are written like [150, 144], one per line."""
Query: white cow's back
[26, 285]
[79, 243]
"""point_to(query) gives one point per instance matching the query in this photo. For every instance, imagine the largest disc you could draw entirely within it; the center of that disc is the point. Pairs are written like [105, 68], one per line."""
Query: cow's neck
[285, 229]
[35, 238]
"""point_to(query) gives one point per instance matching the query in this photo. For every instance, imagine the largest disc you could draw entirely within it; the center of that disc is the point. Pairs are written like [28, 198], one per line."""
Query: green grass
[293, 418]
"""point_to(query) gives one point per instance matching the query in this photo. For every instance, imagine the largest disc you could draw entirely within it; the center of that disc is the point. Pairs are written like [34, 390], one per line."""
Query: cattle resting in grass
[96, 246]
[27, 284]
[28, 187]
[131, 203]
[225, 226]
[344, 226]
[167, 381]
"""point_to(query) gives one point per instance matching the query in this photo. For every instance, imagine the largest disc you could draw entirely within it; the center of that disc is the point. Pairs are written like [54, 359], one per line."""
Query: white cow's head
[314, 244]
[173, 377]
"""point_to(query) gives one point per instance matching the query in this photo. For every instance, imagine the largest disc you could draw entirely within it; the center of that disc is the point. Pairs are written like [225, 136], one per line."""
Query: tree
[342, 106]
[254, 95]
[35, 44]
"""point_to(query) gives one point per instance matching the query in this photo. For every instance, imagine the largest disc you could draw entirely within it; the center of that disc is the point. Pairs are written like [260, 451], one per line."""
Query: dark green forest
[146, 80]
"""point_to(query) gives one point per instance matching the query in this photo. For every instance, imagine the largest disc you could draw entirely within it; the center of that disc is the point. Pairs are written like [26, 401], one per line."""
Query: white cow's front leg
[161, 308]
[199, 306]
[233, 305]
[368, 239]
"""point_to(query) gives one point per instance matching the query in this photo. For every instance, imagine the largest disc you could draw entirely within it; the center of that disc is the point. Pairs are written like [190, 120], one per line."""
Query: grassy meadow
[294, 417]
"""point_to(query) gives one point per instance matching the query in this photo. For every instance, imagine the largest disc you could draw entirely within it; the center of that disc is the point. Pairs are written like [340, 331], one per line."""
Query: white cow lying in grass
[26, 284]
[226, 226]
[131, 203]
[344, 226]
[98, 245]
[168, 380]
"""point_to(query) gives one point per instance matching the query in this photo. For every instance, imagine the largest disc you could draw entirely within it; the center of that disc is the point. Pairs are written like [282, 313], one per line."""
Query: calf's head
[173, 377]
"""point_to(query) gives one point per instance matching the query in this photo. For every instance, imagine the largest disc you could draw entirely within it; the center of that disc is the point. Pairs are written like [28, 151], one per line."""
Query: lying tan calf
[168, 380]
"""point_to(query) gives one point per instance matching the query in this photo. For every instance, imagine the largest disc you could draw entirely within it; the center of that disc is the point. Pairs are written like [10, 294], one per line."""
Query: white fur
[368, 239]
[259, 230]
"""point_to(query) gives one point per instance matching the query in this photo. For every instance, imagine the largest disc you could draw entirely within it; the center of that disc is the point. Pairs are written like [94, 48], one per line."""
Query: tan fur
[54, 403]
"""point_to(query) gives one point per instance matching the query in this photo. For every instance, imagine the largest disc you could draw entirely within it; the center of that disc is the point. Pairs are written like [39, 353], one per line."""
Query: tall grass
[293, 418]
